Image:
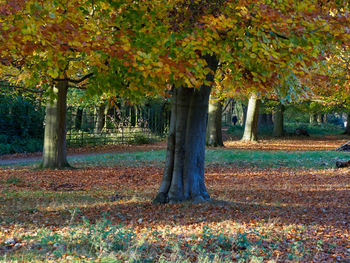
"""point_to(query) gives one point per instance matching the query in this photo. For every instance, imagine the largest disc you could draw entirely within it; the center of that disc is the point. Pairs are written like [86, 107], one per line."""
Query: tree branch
[77, 87]
[77, 81]
[228, 102]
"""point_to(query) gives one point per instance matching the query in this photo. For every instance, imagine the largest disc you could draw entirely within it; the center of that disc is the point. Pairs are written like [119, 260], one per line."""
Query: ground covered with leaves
[278, 210]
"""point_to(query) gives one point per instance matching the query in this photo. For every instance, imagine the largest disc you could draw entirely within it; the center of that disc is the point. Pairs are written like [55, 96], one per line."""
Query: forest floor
[278, 200]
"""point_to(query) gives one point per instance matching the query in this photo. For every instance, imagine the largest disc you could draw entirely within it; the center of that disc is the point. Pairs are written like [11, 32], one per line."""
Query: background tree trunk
[251, 123]
[347, 128]
[313, 118]
[54, 152]
[279, 121]
[99, 118]
[325, 118]
[230, 105]
[214, 129]
[183, 177]
[78, 118]
[263, 121]
[269, 119]
[244, 114]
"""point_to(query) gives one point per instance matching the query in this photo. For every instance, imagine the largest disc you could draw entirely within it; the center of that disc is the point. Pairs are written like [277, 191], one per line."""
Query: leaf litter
[278, 214]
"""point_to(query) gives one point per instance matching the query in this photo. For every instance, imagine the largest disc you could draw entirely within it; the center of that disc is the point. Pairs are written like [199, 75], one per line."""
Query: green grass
[104, 242]
[265, 159]
[262, 159]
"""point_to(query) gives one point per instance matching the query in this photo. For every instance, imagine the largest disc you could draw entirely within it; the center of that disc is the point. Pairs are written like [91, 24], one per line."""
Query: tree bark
[279, 122]
[54, 151]
[183, 177]
[99, 118]
[251, 123]
[347, 128]
[214, 129]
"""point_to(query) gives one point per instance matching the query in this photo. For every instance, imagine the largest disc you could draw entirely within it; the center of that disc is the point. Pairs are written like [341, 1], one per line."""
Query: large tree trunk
[251, 123]
[214, 130]
[183, 177]
[99, 118]
[347, 128]
[279, 122]
[54, 152]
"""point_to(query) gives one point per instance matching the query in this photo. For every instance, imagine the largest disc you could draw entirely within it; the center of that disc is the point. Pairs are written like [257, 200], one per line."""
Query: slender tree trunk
[319, 118]
[100, 118]
[214, 130]
[78, 118]
[244, 114]
[183, 177]
[269, 119]
[251, 123]
[312, 118]
[229, 112]
[347, 128]
[325, 118]
[106, 116]
[54, 152]
[262, 120]
[279, 122]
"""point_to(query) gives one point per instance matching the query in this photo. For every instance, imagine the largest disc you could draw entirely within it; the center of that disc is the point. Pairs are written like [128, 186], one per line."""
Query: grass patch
[263, 159]
[103, 241]
[127, 159]
[13, 180]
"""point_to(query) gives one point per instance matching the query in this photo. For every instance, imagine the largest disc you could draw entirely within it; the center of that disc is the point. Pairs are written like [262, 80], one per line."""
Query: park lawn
[214, 157]
[267, 205]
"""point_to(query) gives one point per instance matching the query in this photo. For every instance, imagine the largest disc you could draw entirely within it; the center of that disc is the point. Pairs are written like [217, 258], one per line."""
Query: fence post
[122, 134]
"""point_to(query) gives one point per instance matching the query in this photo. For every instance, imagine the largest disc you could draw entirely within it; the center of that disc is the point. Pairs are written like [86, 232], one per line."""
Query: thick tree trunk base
[183, 177]
[162, 198]
[55, 166]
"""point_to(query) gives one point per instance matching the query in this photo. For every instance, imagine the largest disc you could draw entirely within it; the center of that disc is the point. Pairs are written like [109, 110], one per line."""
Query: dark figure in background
[234, 119]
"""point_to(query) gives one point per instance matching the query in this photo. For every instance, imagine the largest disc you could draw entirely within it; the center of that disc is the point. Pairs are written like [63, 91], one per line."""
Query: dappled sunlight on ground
[287, 214]
[290, 204]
